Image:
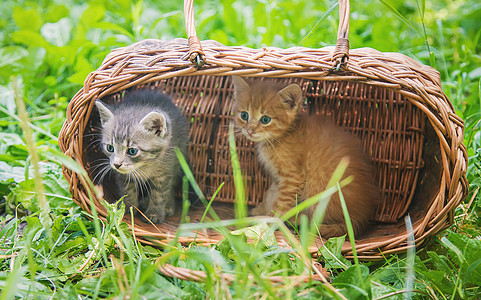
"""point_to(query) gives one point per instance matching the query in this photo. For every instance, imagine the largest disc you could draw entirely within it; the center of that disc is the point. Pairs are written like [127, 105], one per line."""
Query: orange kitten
[300, 152]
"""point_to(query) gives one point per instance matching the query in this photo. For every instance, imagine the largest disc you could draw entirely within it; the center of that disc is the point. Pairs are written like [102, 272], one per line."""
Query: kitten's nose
[250, 132]
[117, 165]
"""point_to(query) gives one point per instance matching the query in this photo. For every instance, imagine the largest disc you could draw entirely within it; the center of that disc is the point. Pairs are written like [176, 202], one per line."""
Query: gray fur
[148, 121]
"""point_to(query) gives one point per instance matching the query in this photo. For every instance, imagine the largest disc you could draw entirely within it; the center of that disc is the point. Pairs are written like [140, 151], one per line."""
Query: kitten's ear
[291, 95]
[239, 84]
[105, 113]
[155, 122]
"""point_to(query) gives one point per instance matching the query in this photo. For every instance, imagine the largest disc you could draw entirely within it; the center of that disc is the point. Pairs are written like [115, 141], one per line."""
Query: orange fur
[300, 152]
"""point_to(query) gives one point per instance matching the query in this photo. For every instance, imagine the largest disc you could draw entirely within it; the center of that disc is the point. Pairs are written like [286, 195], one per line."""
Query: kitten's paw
[259, 210]
[156, 218]
[332, 230]
[169, 211]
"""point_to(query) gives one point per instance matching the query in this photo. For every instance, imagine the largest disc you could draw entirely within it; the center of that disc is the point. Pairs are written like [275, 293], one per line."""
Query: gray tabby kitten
[139, 136]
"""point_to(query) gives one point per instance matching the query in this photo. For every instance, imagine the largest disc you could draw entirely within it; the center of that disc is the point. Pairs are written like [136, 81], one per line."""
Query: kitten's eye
[265, 120]
[244, 116]
[132, 151]
[109, 148]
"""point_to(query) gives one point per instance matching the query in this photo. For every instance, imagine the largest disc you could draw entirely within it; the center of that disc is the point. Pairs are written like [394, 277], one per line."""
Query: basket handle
[341, 52]
[195, 54]
[339, 57]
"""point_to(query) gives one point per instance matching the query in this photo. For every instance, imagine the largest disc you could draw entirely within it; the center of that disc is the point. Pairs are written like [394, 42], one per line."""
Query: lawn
[50, 248]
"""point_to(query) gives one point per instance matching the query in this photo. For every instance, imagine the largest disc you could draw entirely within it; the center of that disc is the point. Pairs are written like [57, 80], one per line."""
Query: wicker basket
[392, 103]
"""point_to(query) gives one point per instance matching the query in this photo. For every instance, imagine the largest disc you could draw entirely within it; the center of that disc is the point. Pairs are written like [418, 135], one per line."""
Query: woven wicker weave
[394, 104]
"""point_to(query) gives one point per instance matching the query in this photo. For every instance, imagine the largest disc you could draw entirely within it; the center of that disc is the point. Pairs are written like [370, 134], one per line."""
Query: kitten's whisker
[239, 134]
[142, 175]
[97, 167]
[139, 182]
[97, 175]
[127, 180]
[138, 188]
[142, 181]
[92, 134]
[146, 186]
[92, 143]
[100, 159]
[99, 162]
[107, 171]
[277, 142]
[148, 182]
[95, 127]
[103, 172]
[272, 147]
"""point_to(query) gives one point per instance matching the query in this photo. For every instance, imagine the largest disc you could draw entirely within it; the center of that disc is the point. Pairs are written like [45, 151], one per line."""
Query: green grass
[53, 249]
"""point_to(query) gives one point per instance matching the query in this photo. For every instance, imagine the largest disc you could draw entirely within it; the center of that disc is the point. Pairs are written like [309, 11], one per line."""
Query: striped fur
[150, 124]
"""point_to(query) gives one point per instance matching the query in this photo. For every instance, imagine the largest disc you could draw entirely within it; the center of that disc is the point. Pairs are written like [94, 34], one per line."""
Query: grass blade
[350, 231]
[185, 200]
[35, 160]
[190, 176]
[315, 199]
[397, 13]
[411, 255]
[323, 17]
[240, 196]
[209, 205]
